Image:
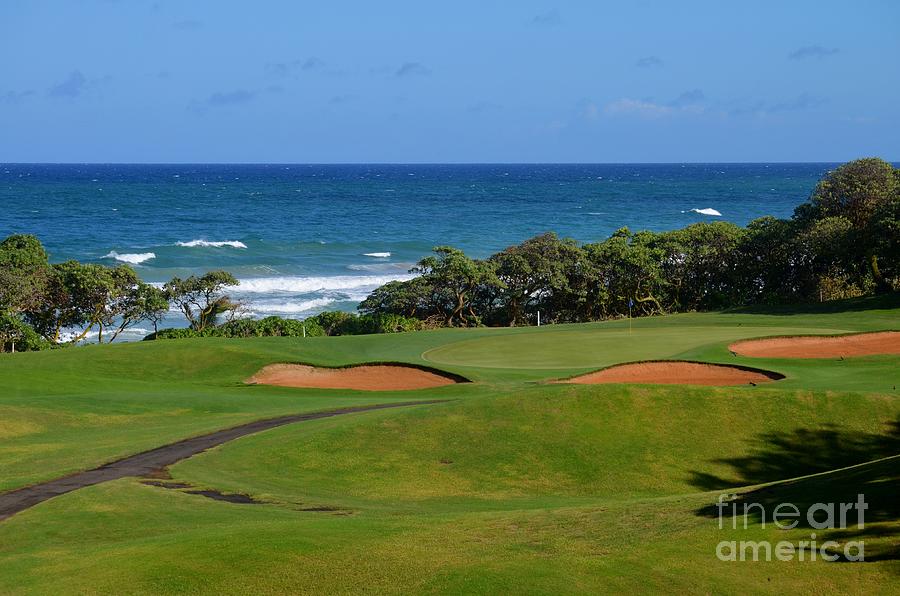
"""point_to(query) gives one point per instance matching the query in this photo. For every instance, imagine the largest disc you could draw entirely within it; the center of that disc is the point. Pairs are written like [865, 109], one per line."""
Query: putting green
[592, 346]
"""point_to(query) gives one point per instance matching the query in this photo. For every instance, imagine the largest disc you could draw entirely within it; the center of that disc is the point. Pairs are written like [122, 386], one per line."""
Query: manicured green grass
[126, 538]
[573, 347]
[514, 485]
[552, 444]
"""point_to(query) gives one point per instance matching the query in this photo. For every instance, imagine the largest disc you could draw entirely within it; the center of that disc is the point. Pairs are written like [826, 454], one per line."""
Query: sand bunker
[673, 372]
[819, 346]
[370, 377]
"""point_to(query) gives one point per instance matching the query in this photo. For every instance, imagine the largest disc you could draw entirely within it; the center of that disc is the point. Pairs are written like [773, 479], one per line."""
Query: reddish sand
[860, 344]
[375, 377]
[676, 373]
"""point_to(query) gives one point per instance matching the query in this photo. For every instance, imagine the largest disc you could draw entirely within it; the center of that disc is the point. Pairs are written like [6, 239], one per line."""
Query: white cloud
[689, 102]
[636, 107]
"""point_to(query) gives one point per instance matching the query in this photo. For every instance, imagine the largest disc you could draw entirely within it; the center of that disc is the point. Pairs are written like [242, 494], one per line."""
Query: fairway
[508, 483]
[592, 345]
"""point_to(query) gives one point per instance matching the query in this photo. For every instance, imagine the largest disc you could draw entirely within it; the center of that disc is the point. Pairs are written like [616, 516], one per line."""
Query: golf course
[496, 471]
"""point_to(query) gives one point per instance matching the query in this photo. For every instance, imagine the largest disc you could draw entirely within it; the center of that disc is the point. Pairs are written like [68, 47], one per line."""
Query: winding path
[146, 462]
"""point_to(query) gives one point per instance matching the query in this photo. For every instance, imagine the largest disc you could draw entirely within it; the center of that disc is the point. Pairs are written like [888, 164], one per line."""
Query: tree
[201, 299]
[24, 273]
[139, 302]
[699, 264]
[856, 191]
[884, 232]
[79, 296]
[826, 250]
[629, 269]
[535, 269]
[770, 266]
[410, 298]
[17, 336]
[459, 276]
[333, 322]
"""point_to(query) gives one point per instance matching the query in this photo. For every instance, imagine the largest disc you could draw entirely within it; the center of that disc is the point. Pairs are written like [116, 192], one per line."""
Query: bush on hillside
[18, 336]
[268, 327]
[345, 323]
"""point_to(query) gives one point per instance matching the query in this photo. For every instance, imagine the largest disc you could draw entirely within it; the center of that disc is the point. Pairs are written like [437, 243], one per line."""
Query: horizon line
[418, 163]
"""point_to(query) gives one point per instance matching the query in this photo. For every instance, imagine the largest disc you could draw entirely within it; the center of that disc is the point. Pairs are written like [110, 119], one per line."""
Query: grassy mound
[536, 447]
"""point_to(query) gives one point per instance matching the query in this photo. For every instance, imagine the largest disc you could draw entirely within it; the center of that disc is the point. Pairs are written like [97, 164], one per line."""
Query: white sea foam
[303, 285]
[133, 258]
[216, 244]
[707, 211]
[128, 334]
[358, 295]
[379, 255]
[380, 267]
[290, 307]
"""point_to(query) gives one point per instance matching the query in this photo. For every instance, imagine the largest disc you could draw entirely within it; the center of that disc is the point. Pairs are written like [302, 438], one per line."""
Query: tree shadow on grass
[879, 302]
[801, 452]
[837, 466]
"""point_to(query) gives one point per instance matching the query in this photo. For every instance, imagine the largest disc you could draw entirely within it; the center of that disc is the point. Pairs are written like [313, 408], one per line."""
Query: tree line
[843, 242]
[44, 305]
[39, 301]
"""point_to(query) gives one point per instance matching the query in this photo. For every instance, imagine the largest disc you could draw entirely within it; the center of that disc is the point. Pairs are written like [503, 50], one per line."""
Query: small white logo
[787, 516]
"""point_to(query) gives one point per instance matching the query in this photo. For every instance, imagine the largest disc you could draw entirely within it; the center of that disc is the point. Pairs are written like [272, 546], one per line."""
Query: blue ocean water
[304, 238]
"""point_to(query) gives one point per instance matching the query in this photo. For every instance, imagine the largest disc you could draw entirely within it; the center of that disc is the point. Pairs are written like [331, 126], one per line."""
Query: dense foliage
[844, 242]
[268, 327]
[39, 300]
[202, 299]
[326, 323]
[44, 305]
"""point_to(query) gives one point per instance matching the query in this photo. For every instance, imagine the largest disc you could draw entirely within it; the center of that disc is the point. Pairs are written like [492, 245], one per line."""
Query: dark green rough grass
[516, 486]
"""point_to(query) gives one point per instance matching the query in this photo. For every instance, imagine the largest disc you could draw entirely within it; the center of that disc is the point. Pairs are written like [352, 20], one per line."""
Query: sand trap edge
[734, 344]
[771, 374]
[454, 378]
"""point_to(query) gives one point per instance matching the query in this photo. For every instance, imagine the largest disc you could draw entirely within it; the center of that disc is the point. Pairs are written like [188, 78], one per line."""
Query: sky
[205, 81]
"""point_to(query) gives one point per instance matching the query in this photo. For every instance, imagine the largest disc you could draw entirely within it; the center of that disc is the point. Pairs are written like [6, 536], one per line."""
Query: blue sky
[488, 81]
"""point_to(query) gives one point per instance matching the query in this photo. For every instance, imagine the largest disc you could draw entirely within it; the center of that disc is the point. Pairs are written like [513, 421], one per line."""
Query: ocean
[307, 238]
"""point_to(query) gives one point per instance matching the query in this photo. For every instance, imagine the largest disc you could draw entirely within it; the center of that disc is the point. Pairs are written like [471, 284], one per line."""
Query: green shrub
[174, 333]
[18, 335]
[345, 323]
[335, 322]
[391, 323]
[268, 327]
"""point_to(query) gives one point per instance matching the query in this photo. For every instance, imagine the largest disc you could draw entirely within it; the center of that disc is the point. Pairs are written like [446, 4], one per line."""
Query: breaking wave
[133, 258]
[706, 211]
[216, 244]
[302, 285]
[301, 306]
